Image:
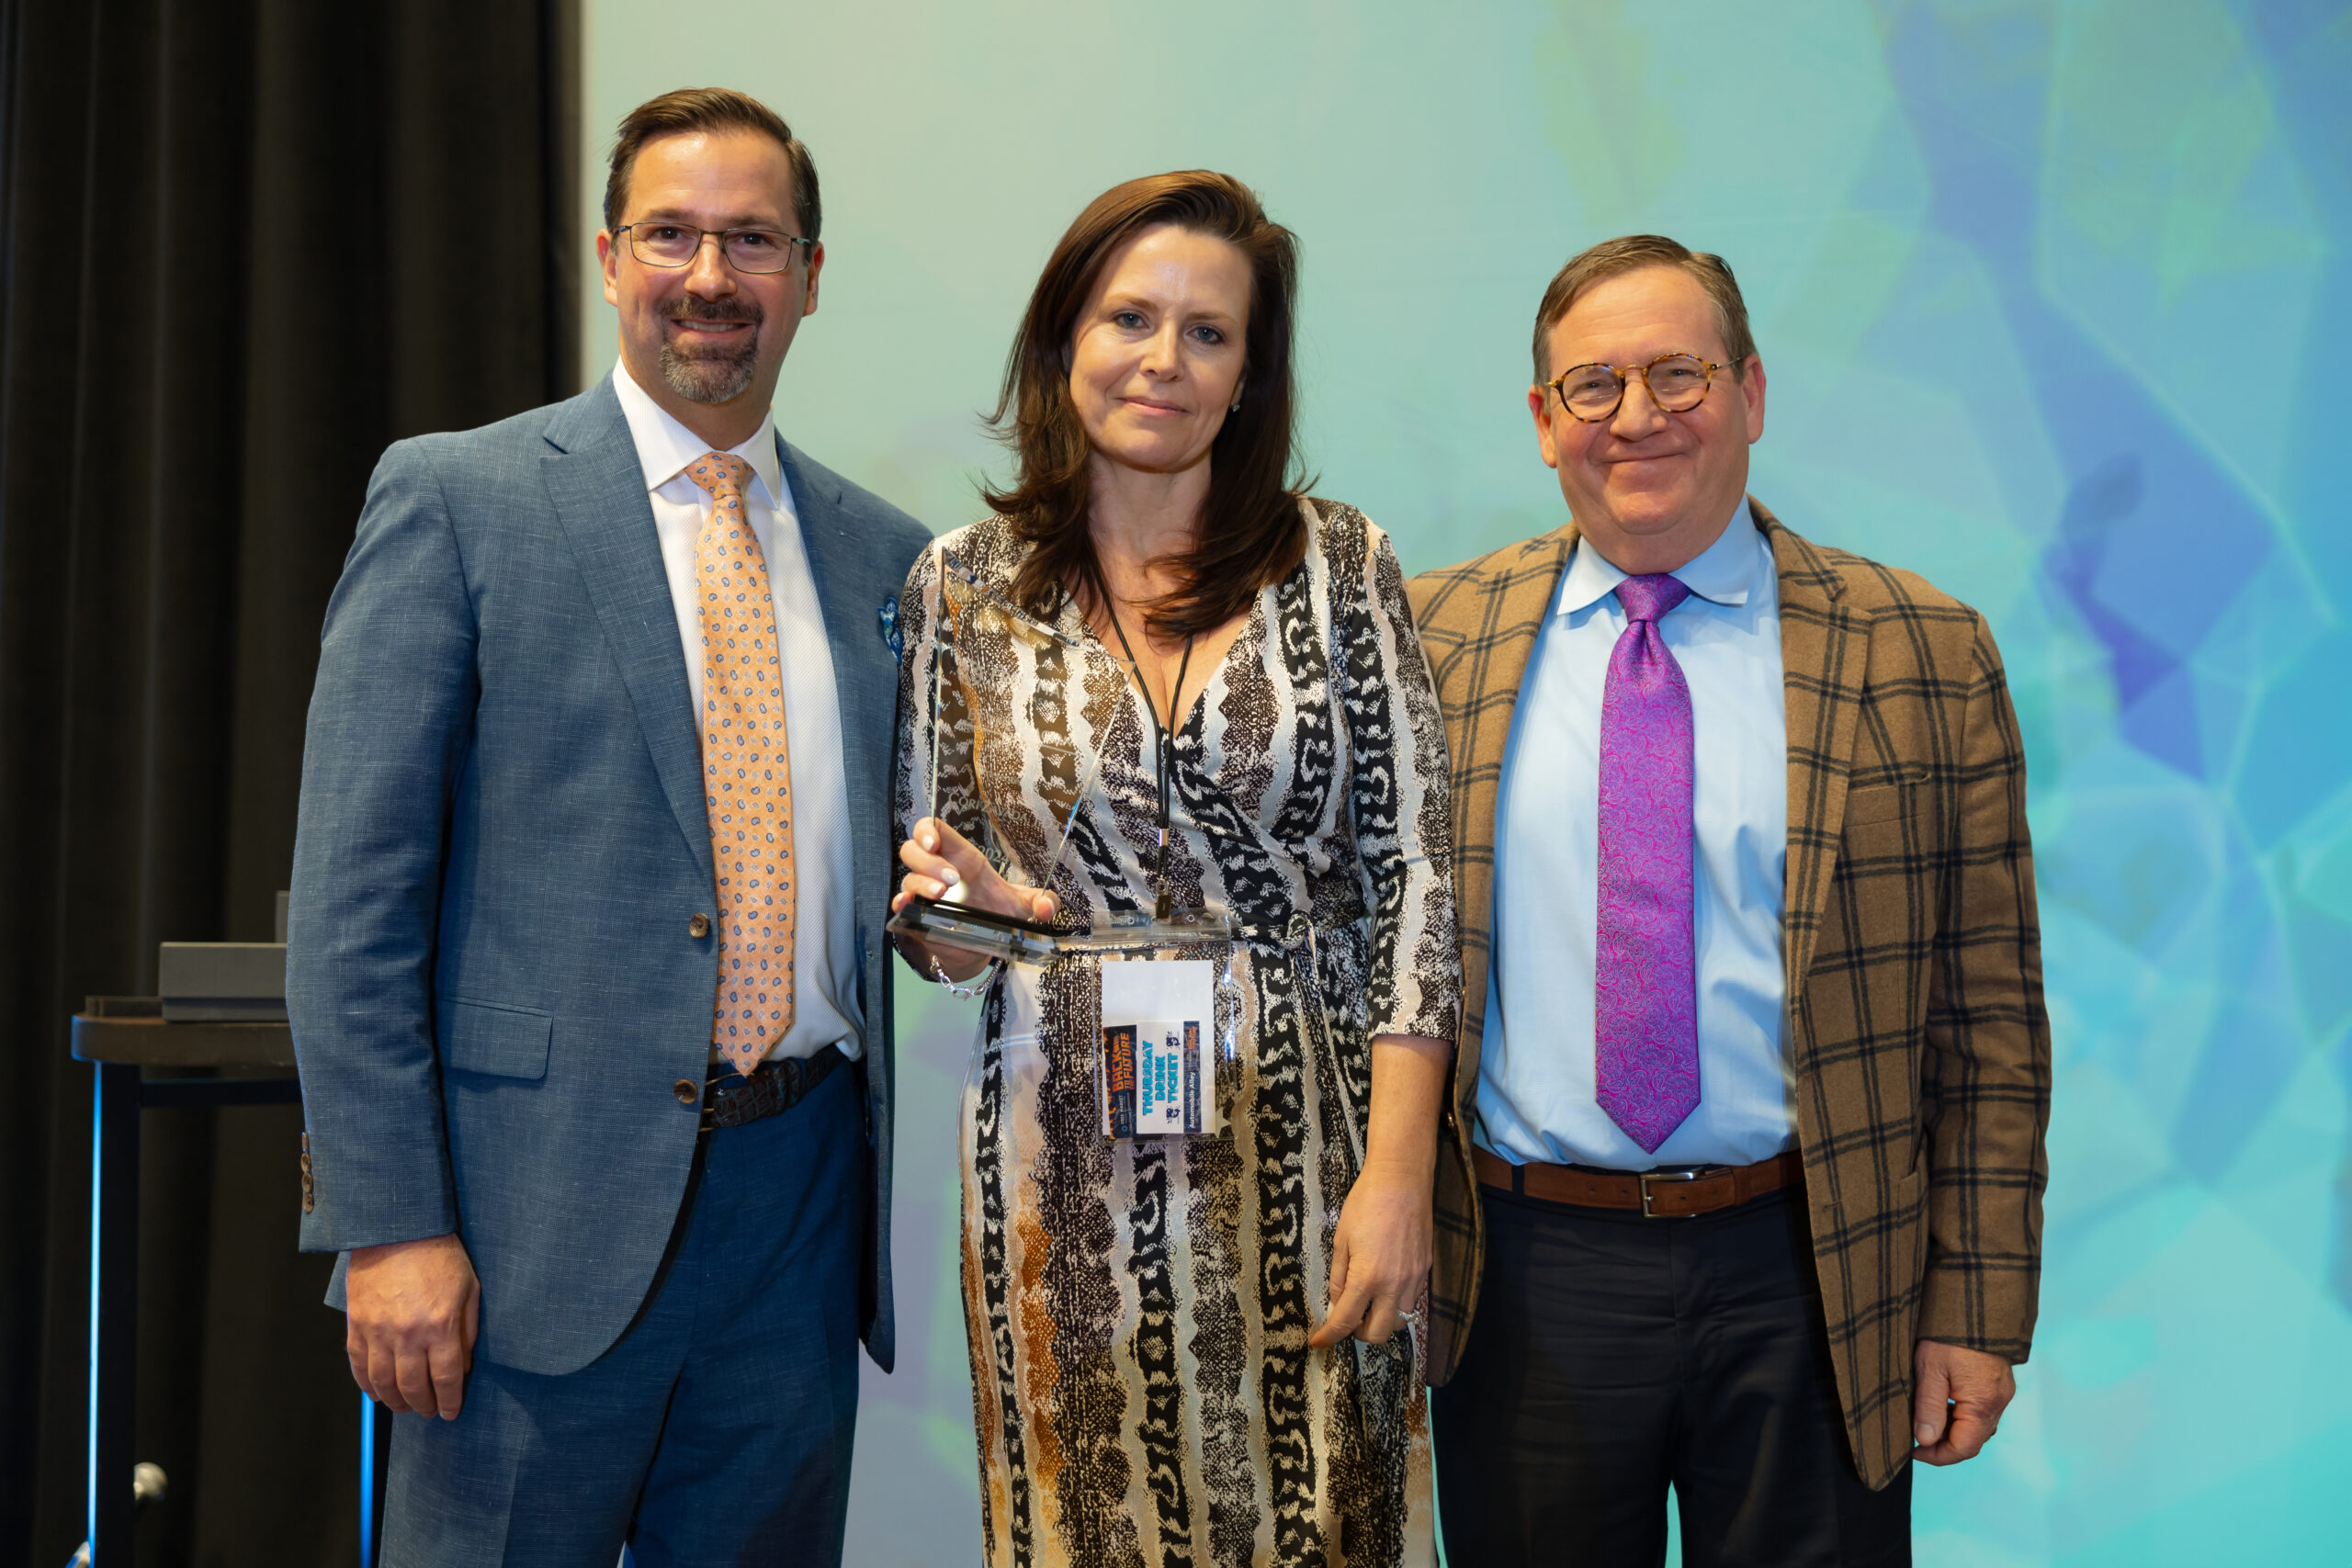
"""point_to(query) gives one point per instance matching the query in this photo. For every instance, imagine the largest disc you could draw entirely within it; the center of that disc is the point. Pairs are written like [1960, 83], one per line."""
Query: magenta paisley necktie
[1646, 992]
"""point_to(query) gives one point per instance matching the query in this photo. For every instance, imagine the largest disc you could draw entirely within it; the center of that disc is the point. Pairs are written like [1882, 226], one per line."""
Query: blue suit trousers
[718, 1429]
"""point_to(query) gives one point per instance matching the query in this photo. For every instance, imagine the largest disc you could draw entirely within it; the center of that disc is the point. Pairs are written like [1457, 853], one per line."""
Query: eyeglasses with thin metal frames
[725, 237]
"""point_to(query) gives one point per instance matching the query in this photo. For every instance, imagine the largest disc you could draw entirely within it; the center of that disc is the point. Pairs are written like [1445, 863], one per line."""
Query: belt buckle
[1646, 1176]
[719, 1093]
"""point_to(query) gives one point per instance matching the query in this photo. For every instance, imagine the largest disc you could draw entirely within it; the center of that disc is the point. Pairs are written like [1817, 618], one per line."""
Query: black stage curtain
[246, 244]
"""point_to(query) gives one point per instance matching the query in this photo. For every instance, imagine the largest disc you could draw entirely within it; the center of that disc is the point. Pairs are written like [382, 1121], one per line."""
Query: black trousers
[1614, 1355]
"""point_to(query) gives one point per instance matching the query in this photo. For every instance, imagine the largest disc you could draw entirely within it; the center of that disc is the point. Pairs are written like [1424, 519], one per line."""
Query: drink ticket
[1158, 1078]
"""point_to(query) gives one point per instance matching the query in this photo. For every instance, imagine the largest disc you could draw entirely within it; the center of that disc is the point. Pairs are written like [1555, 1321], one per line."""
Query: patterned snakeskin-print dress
[1142, 1387]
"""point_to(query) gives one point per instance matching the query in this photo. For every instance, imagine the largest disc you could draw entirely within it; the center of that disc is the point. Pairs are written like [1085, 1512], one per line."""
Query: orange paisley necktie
[746, 771]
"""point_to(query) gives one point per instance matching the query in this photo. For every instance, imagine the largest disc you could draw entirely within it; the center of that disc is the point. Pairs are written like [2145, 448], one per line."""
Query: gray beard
[713, 377]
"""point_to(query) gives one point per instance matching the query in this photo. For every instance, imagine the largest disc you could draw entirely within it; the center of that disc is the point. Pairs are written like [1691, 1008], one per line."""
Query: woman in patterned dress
[1150, 1387]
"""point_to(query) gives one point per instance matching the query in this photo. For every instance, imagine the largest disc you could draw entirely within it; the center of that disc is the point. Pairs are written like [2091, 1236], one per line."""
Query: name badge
[1155, 1067]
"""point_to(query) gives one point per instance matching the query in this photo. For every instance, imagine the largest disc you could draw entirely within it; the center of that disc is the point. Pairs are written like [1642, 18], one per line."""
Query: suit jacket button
[689, 1091]
[698, 926]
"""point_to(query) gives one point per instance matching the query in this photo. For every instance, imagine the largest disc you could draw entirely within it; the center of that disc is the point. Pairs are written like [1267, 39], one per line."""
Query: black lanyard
[1163, 743]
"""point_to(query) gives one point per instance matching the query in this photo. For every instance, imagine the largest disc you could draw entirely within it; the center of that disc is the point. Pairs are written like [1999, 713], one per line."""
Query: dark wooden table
[142, 1063]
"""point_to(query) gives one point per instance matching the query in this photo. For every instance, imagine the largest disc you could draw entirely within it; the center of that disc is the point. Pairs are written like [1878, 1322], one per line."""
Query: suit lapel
[1498, 619]
[849, 593]
[839, 568]
[1824, 655]
[597, 488]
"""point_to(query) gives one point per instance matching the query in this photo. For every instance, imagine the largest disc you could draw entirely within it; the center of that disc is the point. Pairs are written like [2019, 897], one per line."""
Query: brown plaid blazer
[1913, 955]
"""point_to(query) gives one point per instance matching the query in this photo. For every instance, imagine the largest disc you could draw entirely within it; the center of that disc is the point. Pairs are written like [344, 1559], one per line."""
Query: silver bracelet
[970, 989]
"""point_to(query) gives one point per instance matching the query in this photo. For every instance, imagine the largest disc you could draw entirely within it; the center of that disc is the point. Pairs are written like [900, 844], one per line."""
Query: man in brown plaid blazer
[1768, 1330]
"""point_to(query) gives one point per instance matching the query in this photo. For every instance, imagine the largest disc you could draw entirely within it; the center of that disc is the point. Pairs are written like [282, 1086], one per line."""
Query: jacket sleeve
[390, 731]
[1986, 1101]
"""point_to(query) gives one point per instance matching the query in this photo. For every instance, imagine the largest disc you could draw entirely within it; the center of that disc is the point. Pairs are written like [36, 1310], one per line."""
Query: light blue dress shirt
[1535, 1073]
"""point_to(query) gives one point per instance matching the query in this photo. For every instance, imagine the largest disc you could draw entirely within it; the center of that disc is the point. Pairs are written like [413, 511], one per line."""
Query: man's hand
[413, 1308]
[1957, 1397]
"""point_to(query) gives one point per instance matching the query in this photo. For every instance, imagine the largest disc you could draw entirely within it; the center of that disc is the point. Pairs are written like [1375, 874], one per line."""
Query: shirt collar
[666, 449]
[1722, 573]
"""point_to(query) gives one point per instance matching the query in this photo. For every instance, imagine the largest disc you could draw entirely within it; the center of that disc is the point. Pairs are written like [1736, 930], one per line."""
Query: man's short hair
[1630, 253]
[708, 109]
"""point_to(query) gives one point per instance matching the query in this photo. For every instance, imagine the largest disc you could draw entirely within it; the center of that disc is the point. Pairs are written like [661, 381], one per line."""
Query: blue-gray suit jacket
[501, 840]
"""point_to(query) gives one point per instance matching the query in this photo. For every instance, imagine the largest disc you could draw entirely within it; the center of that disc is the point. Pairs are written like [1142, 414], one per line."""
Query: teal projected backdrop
[2054, 299]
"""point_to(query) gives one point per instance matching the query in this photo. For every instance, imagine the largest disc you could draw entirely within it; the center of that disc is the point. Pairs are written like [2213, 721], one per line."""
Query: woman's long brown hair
[1250, 531]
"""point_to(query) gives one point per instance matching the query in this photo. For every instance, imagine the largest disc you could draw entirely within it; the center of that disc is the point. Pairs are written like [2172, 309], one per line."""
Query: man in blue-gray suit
[586, 964]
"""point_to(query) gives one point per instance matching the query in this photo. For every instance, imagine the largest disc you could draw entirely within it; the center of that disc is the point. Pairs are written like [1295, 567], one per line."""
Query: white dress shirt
[825, 948]
[1535, 1069]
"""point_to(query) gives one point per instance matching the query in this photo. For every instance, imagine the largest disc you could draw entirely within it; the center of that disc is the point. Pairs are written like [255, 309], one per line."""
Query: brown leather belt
[729, 1100]
[1659, 1194]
